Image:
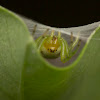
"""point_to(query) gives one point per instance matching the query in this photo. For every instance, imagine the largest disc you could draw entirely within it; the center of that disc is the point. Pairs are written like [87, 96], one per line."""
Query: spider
[52, 46]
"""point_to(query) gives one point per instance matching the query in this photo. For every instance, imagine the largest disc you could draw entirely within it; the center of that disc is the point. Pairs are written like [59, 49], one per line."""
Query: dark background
[57, 13]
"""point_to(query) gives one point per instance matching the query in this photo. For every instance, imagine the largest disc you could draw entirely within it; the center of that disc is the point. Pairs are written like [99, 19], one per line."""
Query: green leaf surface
[25, 75]
[14, 37]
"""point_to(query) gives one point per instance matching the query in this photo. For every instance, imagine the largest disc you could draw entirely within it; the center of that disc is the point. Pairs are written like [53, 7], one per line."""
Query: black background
[57, 13]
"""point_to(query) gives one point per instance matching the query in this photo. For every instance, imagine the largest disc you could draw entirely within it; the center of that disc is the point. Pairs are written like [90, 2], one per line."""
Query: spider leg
[79, 43]
[59, 35]
[64, 51]
[41, 43]
[52, 34]
[71, 38]
[34, 29]
[75, 42]
[39, 40]
[45, 33]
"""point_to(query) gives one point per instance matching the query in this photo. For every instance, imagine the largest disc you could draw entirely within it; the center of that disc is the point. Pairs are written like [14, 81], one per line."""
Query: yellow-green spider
[52, 46]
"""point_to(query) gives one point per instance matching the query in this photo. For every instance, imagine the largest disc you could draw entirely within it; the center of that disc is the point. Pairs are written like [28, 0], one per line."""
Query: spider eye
[52, 50]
